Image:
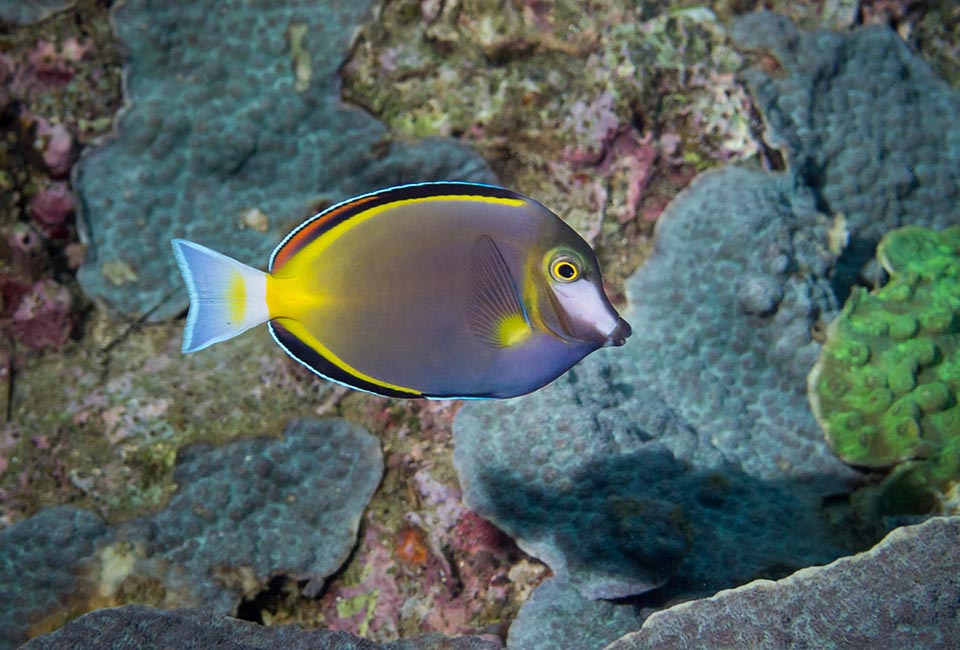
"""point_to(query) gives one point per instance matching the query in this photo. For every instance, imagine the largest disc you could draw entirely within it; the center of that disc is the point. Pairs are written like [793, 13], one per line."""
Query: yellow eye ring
[563, 270]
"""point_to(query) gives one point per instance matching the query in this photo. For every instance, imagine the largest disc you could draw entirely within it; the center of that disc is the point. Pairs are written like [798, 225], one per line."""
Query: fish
[439, 290]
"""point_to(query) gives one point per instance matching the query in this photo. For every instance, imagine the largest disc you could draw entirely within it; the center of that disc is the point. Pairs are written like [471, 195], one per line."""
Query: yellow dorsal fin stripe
[314, 249]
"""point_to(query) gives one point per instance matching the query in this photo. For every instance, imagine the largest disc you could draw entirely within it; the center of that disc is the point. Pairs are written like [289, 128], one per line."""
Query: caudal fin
[226, 297]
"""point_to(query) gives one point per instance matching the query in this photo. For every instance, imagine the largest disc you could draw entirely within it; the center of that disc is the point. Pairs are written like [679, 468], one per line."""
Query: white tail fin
[226, 297]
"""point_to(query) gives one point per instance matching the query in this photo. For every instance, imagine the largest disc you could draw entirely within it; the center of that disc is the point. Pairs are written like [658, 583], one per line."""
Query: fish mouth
[619, 335]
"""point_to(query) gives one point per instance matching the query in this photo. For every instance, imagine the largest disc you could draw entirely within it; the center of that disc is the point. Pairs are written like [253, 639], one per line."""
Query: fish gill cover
[232, 134]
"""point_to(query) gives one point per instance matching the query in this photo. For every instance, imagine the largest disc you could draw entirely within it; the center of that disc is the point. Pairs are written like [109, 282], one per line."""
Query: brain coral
[887, 384]
[234, 133]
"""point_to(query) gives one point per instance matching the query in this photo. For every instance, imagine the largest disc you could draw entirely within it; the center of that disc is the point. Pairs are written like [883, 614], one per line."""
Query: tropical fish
[440, 290]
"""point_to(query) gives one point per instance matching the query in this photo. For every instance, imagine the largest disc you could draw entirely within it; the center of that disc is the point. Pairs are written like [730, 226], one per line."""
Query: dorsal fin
[324, 221]
[496, 316]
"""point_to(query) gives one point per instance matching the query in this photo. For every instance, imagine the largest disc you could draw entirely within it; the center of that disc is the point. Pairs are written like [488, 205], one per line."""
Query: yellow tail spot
[513, 330]
[237, 298]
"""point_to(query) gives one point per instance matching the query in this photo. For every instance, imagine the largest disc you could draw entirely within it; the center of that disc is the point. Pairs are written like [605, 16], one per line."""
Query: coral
[863, 121]
[692, 449]
[24, 13]
[901, 594]
[557, 616]
[56, 146]
[701, 422]
[886, 386]
[51, 207]
[40, 318]
[42, 561]
[142, 628]
[249, 510]
[231, 108]
[244, 512]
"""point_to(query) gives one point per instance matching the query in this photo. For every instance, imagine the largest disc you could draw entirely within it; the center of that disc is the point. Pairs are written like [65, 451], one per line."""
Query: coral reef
[231, 109]
[602, 114]
[864, 122]
[244, 512]
[557, 616]
[249, 510]
[22, 13]
[915, 569]
[708, 398]
[141, 628]
[42, 564]
[691, 450]
[886, 386]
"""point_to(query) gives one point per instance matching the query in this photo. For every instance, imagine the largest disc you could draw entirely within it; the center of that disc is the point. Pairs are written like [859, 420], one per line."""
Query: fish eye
[564, 270]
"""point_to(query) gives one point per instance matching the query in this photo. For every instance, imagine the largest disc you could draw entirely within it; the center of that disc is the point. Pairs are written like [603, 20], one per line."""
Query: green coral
[885, 389]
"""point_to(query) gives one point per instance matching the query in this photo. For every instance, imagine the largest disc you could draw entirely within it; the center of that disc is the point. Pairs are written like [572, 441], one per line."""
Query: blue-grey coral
[243, 512]
[692, 449]
[233, 133]
[703, 414]
[866, 124]
[557, 616]
[41, 560]
[141, 628]
[265, 506]
[19, 12]
[904, 593]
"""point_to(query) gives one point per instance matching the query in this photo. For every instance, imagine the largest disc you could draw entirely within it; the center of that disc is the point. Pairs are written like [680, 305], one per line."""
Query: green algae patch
[885, 389]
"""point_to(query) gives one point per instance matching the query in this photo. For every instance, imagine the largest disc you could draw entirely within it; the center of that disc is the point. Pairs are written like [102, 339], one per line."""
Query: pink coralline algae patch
[40, 317]
[45, 68]
[51, 209]
[55, 144]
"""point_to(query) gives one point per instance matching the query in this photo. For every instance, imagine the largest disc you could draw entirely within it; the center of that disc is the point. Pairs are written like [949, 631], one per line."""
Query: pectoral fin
[497, 316]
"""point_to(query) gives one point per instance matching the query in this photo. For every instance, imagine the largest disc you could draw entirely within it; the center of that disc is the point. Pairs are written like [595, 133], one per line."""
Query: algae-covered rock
[886, 386]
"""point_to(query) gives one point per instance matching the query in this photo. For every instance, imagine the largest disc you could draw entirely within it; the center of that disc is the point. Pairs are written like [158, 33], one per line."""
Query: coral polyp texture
[243, 512]
[142, 628]
[864, 122]
[43, 560]
[253, 509]
[233, 133]
[887, 384]
[695, 442]
[914, 568]
[691, 450]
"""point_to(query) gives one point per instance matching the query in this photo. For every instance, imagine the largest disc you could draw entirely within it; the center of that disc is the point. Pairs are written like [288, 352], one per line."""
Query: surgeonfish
[441, 290]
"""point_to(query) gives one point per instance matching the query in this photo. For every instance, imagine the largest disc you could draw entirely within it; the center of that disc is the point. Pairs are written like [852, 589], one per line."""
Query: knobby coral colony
[886, 386]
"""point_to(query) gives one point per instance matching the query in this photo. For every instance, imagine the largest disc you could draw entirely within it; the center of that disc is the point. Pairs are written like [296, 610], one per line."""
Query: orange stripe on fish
[312, 229]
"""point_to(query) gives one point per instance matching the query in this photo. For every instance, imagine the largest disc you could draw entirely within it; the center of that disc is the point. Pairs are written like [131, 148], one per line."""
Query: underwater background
[772, 190]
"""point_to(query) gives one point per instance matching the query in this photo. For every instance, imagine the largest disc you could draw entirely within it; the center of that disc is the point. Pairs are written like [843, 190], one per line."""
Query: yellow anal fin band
[299, 343]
